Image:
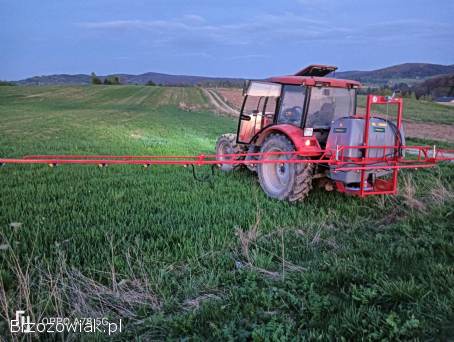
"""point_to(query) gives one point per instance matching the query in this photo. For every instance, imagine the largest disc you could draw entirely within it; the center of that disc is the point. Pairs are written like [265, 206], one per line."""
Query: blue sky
[219, 38]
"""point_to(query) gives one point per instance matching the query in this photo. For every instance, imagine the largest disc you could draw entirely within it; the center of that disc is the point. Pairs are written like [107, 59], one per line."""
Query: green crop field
[178, 259]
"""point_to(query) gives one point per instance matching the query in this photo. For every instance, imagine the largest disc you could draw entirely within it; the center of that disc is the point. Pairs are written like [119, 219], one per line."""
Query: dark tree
[95, 79]
[112, 80]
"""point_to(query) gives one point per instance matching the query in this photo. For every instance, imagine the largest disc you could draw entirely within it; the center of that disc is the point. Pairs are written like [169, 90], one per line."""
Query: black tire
[226, 144]
[290, 182]
[252, 167]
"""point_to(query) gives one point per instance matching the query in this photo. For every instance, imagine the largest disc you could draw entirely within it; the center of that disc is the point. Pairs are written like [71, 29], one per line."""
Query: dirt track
[429, 131]
[219, 103]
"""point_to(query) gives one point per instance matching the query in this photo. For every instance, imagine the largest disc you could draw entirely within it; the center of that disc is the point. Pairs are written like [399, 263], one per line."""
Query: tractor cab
[310, 103]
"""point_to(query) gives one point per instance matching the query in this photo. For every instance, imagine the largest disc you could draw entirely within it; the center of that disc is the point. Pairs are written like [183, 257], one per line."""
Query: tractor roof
[315, 81]
[313, 75]
[316, 70]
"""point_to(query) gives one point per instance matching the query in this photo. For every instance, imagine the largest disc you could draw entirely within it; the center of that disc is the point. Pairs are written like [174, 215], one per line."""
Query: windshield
[328, 104]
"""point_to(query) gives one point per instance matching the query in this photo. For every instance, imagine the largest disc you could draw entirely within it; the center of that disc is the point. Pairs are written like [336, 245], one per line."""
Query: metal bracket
[205, 177]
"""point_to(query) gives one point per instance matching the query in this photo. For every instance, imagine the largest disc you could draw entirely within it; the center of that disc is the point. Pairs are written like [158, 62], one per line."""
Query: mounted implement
[305, 126]
[294, 129]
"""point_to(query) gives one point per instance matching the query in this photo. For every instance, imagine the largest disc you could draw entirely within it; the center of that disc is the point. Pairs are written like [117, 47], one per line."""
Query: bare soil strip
[430, 131]
[232, 96]
[219, 103]
[446, 103]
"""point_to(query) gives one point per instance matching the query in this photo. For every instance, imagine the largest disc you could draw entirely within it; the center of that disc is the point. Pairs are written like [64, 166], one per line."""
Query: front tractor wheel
[227, 144]
[291, 182]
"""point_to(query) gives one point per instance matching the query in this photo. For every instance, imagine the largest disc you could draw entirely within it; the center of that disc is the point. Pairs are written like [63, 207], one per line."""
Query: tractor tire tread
[303, 173]
[236, 148]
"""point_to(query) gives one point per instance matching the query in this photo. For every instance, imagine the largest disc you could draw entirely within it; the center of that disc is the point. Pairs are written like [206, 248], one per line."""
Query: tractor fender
[307, 146]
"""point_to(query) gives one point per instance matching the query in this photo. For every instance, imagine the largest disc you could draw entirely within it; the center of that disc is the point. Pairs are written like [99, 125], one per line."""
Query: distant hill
[408, 73]
[166, 79]
[60, 79]
[157, 78]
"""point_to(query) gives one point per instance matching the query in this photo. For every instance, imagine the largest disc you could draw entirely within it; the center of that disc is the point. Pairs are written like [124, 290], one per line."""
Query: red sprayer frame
[425, 157]
[381, 186]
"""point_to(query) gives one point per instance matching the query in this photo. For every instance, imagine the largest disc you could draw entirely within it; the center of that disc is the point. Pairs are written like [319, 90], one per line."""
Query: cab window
[259, 107]
[328, 104]
[292, 104]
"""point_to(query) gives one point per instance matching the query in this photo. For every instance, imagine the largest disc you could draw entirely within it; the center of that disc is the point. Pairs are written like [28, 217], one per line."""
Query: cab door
[258, 109]
[251, 118]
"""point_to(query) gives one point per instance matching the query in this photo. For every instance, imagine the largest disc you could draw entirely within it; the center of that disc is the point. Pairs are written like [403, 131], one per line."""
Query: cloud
[193, 31]
[194, 18]
[134, 24]
[403, 31]
[198, 54]
[261, 29]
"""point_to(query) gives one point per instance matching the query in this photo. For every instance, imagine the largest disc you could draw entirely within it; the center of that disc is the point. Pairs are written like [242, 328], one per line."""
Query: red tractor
[308, 114]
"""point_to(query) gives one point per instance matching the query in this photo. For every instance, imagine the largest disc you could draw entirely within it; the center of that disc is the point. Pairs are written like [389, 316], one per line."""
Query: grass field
[175, 258]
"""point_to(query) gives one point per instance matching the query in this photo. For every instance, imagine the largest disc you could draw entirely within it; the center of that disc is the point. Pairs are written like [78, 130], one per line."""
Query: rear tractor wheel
[227, 144]
[291, 182]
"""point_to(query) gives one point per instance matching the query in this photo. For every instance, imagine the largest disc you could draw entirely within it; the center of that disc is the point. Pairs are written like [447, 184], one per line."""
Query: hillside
[60, 79]
[409, 72]
[166, 79]
[141, 79]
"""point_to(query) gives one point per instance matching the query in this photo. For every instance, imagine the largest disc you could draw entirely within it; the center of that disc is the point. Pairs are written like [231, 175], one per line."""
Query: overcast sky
[244, 38]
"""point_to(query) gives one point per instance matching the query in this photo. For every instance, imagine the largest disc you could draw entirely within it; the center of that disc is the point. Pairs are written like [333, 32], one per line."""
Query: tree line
[432, 88]
[115, 80]
[110, 80]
